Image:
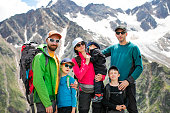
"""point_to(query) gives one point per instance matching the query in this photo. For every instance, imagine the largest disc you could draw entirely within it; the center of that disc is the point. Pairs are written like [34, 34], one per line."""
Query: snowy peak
[147, 12]
[99, 12]
[64, 6]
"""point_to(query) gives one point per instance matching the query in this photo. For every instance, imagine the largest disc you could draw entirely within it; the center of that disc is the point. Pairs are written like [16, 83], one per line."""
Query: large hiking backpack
[28, 52]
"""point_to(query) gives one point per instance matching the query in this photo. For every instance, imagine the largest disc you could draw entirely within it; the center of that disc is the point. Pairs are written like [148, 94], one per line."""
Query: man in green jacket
[127, 58]
[46, 76]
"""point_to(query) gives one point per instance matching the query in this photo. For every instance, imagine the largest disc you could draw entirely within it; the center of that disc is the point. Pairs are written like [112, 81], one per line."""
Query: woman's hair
[77, 53]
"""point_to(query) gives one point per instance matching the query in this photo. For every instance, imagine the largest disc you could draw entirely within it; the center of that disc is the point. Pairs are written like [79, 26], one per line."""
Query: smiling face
[80, 47]
[121, 35]
[52, 42]
[113, 74]
[66, 67]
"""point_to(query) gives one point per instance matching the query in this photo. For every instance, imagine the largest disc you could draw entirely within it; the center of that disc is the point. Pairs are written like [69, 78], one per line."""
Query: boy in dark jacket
[114, 100]
[98, 60]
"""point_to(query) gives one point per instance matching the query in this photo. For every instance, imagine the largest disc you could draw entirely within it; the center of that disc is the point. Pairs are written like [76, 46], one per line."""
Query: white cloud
[11, 7]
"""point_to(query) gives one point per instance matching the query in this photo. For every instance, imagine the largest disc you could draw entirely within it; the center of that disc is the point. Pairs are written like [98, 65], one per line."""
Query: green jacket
[45, 76]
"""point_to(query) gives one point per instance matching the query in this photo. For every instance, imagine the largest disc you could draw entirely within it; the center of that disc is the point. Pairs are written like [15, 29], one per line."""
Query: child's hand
[73, 110]
[75, 85]
[119, 107]
[56, 111]
[123, 107]
[49, 109]
[87, 59]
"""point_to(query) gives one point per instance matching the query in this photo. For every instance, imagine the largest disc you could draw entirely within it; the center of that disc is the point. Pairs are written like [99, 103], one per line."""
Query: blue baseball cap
[67, 60]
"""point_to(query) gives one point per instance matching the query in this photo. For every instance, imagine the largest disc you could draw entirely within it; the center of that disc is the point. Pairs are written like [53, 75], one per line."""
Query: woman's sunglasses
[82, 43]
[52, 40]
[121, 33]
[70, 66]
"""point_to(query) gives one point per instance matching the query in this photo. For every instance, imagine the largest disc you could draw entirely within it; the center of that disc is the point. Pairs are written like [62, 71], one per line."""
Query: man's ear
[126, 34]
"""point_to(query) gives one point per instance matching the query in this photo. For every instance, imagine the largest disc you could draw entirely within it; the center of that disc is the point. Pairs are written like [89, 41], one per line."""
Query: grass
[3, 94]
[16, 100]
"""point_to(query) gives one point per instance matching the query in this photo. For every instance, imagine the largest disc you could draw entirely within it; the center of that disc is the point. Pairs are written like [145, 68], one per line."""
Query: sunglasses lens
[51, 40]
[78, 45]
[70, 67]
[57, 41]
[123, 33]
[66, 65]
[82, 43]
[117, 33]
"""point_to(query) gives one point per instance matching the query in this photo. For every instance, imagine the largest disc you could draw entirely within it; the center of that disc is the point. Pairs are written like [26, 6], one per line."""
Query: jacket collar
[81, 56]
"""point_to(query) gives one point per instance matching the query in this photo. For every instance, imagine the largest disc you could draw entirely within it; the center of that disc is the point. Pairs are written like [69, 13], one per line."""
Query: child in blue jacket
[66, 97]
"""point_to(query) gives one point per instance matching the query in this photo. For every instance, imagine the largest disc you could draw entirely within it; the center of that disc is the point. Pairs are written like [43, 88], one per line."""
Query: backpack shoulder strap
[68, 81]
[46, 59]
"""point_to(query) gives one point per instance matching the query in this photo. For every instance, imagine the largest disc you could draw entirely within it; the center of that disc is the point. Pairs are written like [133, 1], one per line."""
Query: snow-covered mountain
[147, 24]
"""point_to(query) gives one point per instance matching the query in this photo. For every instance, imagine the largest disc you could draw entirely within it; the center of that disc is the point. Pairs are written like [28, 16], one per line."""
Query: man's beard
[52, 47]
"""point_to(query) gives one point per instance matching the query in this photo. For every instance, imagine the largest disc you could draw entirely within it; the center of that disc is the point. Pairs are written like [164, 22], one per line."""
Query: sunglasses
[52, 40]
[82, 43]
[70, 66]
[121, 33]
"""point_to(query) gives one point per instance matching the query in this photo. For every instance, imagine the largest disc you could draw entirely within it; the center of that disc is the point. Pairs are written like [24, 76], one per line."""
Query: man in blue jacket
[127, 58]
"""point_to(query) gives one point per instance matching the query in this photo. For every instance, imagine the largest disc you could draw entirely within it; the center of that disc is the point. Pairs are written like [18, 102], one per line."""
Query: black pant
[113, 111]
[84, 103]
[131, 95]
[98, 87]
[65, 109]
[41, 108]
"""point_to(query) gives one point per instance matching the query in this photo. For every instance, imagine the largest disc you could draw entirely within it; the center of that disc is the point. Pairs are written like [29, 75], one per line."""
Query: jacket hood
[43, 48]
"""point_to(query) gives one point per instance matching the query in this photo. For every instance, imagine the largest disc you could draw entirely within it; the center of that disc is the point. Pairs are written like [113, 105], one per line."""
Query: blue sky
[31, 3]
[9, 8]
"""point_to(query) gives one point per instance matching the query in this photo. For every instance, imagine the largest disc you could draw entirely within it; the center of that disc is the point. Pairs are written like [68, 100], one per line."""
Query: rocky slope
[11, 95]
[153, 88]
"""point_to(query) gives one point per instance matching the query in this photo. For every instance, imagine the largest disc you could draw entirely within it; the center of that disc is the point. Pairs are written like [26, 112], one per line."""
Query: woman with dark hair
[84, 72]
